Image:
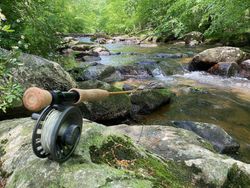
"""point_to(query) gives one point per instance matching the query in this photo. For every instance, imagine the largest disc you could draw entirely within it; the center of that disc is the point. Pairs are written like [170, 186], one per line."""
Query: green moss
[115, 151]
[236, 178]
[165, 92]
[119, 152]
[2, 147]
[164, 174]
[4, 141]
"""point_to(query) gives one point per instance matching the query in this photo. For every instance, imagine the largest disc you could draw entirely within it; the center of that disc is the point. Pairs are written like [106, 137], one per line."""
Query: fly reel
[57, 132]
[58, 128]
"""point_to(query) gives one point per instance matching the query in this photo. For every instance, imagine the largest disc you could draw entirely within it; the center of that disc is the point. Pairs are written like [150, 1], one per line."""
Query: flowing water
[199, 96]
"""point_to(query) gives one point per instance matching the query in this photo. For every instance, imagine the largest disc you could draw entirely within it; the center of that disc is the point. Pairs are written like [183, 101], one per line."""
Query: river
[199, 96]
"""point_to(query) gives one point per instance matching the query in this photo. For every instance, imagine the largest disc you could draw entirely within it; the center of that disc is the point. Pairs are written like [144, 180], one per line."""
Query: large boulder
[208, 58]
[39, 72]
[221, 141]
[103, 158]
[111, 110]
[213, 169]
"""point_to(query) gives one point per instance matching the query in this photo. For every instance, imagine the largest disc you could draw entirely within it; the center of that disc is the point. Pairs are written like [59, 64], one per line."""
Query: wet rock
[245, 69]
[134, 72]
[81, 47]
[101, 41]
[166, 56]
[99, 71]
[208, 58]
[142, 85]
[182, 145]
[221, 141]
[110, 110]
[146, 101]
[127, 87]
[80, 55]
[152, 68]
[193, 38]
[102, 51]
[91, 58]
[114, 77]
[225, 69]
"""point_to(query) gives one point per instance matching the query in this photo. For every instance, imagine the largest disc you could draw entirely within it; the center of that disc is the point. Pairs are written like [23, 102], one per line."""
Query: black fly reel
[57, 132]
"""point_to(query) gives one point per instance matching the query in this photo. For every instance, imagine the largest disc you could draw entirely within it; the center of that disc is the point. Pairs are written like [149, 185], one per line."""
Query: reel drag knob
[71, 134]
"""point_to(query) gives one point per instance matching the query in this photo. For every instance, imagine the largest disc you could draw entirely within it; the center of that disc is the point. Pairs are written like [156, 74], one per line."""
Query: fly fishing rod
[58, 128]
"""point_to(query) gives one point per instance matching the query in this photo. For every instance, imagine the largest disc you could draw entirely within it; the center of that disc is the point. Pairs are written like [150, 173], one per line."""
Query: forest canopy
[38, 24]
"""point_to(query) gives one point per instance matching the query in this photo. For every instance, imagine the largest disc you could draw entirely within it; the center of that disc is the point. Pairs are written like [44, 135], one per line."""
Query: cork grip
[35, 99]
[90, 94]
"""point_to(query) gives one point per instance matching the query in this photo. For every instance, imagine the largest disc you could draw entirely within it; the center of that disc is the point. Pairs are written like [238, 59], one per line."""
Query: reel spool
[57, 132]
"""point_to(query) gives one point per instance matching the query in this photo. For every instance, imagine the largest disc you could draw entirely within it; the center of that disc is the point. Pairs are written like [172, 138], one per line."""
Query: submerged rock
[221, 141]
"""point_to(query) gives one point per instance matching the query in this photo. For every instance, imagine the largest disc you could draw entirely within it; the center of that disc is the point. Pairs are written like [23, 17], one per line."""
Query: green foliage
[42, 22]
[226, 20]
[10, 91]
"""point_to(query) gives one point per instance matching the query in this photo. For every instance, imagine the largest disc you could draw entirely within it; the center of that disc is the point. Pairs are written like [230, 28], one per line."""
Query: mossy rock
[111, 110]
[121, 153]
[146, 101]
[236, 178]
